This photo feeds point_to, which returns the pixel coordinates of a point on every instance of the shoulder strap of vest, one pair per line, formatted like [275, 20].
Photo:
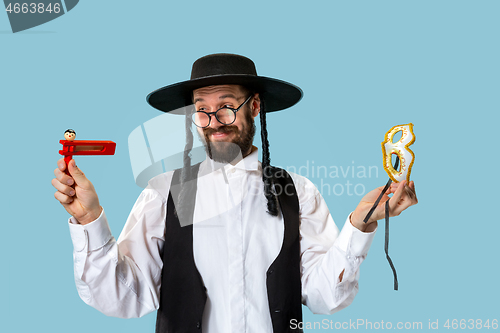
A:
[184, 195]
[283, 276]
[286, 192]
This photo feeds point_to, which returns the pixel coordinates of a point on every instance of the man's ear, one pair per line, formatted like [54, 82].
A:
[255, 107]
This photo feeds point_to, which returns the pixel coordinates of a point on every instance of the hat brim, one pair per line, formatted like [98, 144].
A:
[277, 94]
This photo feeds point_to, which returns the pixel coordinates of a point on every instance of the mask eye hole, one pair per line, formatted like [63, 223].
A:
[397, 136]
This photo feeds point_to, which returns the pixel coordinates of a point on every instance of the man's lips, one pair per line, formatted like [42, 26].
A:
[219, 135]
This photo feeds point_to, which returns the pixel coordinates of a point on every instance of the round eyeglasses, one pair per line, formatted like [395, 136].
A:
[225, 115]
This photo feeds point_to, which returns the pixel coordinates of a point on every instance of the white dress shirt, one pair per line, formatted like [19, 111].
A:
[234, 242]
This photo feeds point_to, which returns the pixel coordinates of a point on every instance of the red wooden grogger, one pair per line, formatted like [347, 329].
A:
[85, 147]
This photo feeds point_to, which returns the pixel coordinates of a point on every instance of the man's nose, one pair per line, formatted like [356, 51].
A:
[214, 122]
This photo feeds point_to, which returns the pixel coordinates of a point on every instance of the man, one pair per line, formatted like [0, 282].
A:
[228, 245]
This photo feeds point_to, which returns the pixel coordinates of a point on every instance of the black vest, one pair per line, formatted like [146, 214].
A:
[183, 295]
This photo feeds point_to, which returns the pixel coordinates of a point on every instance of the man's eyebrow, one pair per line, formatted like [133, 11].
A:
[199, 99]
[227, 96]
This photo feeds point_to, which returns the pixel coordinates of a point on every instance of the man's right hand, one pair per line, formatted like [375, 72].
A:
[76, 193]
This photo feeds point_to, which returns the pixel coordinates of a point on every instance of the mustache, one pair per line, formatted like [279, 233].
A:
[223, 129]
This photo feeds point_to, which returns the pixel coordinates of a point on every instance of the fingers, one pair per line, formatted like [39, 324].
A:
[403, 197]
[394, 200]
[63, 184]
[410, 193]
[373, 195]
[78, 175]
[64, 189]
[413, 192]
[61, 164]
[61, 176]
[394, 186]
[63, 198]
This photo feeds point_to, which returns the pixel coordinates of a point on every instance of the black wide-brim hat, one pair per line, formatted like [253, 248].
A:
[223, 68]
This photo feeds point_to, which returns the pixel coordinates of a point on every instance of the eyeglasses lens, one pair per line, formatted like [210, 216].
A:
[225, 116]
[201, 119]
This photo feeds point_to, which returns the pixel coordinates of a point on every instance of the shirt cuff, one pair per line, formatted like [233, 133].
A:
[353, 241]
[91, 236]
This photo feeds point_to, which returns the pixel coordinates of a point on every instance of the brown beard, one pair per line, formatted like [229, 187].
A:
[226, 152]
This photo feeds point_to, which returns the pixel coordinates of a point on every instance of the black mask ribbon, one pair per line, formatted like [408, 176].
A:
[386, 246]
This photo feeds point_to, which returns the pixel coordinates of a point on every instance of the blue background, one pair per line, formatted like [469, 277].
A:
[364, 66]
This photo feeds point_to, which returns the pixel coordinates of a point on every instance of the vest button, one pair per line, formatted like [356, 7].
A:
[270, 271]
[198, 325]
[277, 311]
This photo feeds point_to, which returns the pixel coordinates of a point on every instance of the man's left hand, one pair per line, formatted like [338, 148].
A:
[403, 197]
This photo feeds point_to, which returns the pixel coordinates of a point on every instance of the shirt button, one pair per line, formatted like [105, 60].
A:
[231, 171]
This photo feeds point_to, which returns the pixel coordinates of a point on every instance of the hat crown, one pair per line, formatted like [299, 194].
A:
[222, 64]
[223, 69]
